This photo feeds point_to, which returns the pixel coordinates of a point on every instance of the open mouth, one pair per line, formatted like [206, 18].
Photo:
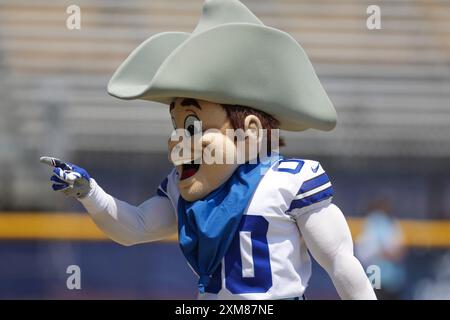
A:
[188, 170]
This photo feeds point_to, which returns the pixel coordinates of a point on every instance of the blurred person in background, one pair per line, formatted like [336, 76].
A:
[381, 243]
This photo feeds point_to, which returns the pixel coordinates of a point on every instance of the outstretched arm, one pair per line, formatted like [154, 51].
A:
[328, 238]
[126, 224]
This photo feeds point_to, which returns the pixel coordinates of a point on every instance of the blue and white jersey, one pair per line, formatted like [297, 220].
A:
[268, 258]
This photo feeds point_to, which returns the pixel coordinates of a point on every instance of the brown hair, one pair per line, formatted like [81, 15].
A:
[237, 114]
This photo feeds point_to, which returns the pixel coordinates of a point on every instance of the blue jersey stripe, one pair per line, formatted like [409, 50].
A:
[160, 193]
[163, 185]
[314, 198]
[314, 183]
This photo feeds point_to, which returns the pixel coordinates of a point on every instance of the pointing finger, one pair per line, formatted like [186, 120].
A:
[54, 162]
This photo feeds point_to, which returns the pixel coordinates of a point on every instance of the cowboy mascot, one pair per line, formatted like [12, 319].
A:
[245, 227]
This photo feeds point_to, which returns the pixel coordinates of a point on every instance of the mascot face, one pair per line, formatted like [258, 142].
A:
[205, 125]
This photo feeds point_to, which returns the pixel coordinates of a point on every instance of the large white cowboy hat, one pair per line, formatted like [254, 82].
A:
[231, 58]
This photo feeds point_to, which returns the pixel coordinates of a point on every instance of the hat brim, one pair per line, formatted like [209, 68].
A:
[131, 80]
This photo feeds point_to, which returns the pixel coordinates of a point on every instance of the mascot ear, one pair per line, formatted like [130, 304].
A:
[252, 126]
[254, 136]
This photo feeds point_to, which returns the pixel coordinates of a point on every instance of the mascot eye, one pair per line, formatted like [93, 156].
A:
[192, 125]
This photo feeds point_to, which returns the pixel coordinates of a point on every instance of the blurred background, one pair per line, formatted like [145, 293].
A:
[389, 157]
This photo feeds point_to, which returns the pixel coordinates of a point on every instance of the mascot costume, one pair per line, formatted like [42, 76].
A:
[246, 229]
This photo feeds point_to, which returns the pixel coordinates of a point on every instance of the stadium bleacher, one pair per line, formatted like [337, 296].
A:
[390, 86]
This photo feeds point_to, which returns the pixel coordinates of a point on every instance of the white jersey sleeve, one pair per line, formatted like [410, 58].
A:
[314, 189]
[126, 224]
[168, 189]
[323, 228]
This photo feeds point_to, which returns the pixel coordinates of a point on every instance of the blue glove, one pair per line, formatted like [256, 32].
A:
[67, 178]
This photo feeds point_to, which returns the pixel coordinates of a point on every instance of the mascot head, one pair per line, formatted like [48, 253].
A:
[232, 72]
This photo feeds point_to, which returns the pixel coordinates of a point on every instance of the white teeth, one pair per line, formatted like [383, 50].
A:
[180, 162]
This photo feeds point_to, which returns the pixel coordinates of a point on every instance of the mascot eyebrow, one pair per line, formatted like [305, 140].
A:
[187, 102]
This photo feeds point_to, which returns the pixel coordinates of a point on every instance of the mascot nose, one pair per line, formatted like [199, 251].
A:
[185, 149]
